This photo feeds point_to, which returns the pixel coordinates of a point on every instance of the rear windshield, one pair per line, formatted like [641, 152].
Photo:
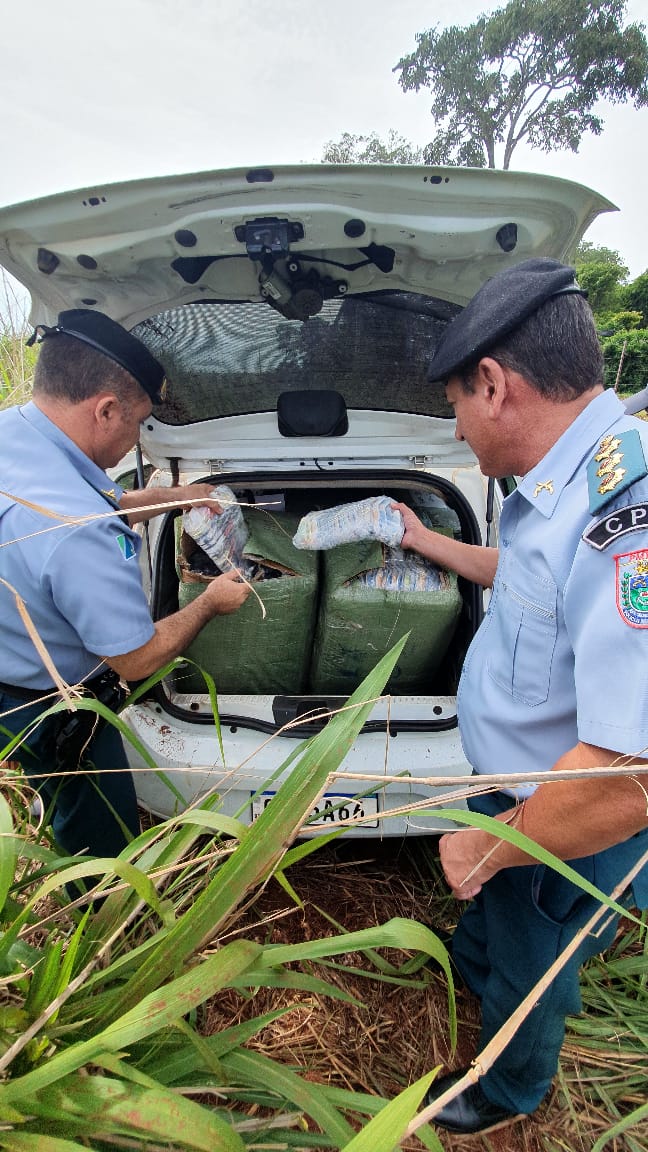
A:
[230, 359]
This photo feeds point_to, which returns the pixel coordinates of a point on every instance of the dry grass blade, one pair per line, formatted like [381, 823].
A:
[489, 782]
[61, 516]
[496, 1046]
[64, 520]
[36, 640]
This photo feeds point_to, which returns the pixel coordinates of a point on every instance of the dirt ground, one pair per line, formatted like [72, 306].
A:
[397, 1034]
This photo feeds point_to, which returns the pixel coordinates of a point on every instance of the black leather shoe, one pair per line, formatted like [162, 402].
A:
[469, 1112]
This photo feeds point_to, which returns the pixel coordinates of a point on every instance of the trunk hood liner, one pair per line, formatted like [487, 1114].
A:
[134, 249]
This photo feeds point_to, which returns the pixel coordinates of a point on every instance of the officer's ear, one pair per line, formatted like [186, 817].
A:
[491, 381]
[107, 414]
[107, 409]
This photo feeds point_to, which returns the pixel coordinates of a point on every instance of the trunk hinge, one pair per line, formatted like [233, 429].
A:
[216, 466]
[422, 462]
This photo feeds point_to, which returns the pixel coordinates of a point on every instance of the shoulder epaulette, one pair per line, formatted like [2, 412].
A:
[619, 461]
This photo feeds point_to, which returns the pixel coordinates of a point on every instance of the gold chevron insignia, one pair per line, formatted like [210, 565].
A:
[609, 464]
[608, 445]
[613, 478]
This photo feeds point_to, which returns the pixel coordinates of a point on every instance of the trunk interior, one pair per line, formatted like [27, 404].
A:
[322, 627]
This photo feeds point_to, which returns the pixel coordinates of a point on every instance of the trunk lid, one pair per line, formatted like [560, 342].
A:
[251, 283]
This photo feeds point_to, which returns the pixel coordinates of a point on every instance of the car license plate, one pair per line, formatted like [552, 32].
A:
[331, 809]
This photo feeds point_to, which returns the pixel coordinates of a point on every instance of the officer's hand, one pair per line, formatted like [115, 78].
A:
[461, 853]
[227, 593]
[413, 527]
[202, 494]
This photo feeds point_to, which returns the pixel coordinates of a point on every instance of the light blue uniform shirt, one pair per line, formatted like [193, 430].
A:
[80, 583]
[557, 658]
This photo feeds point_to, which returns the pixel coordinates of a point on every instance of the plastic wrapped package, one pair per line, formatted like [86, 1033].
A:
[359, 621]
[245, 652]
[403, 571]
[436, 514]
[221, 535]
[371, 519]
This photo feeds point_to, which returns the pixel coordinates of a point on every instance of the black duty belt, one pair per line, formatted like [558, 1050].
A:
[31, 694]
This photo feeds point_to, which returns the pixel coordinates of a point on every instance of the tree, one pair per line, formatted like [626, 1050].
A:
[588, 253]
[601, 282]
[371, 149]
[635, 296]
[532, 71]
[602, 273]
[627, 321]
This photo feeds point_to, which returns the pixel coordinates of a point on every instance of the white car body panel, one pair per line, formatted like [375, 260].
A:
[253, 759]
[375, 439]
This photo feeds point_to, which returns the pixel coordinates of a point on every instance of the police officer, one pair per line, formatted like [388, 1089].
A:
[71, 559]
[556, 675]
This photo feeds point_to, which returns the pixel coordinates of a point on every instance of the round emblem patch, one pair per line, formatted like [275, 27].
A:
[632, 587]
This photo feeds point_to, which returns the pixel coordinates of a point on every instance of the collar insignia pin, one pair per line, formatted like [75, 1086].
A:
[544, 486]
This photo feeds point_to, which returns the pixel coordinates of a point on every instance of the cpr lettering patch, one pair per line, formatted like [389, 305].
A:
[632, 587]
[126, 545]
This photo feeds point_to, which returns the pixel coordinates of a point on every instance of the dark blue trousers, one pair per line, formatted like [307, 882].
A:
[505, 941]
[94, 810]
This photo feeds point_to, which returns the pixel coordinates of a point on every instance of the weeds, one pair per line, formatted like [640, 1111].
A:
[99, 1014]
[17, 361]
[98, 1025]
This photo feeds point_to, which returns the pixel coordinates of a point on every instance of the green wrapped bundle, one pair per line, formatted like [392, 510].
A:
[358, 624]
[245, 652]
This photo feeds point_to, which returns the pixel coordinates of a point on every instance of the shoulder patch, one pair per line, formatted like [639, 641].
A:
[632, 588]
[126, 546]
[619, 461]
[615, 524]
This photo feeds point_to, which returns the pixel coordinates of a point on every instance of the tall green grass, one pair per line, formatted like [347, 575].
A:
[100, 1012]
[17, 361]
[98, 1026]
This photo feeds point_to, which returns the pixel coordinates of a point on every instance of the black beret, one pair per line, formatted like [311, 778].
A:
[498, 308]
[111, 338]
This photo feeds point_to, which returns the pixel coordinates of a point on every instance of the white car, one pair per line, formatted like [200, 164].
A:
[295, 311]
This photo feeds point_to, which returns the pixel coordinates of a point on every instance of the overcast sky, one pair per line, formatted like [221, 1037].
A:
[93, 93]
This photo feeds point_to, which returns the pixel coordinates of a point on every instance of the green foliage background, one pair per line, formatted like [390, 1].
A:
[621, 312]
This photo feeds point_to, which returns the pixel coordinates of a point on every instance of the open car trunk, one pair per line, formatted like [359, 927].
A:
[314, 626]
[280, 669]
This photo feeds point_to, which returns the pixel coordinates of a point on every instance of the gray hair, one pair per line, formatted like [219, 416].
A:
[68, 369]
[556, 350]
